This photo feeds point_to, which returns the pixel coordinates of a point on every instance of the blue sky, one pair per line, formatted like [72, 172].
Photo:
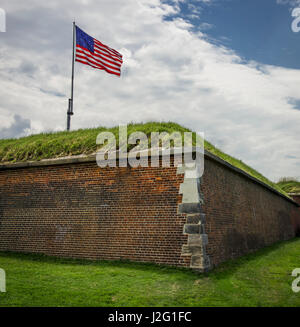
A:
[257, 30]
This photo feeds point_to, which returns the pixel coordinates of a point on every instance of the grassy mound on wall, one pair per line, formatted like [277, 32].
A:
[289, 185]
[83, 141]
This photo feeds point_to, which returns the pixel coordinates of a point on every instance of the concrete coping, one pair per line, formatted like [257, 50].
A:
[143, 154]
[157, 152]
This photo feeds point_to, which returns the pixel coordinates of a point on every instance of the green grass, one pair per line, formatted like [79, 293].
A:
[289, 185]
[83, 141]
[259, 279]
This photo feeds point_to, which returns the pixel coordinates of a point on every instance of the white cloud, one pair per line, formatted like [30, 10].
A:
[170, 73]
[18, 127]
[205, 26]
[292, 3]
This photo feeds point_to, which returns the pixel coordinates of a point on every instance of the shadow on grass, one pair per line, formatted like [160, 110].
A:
[127, 264]
[228, 268]
[224, 270]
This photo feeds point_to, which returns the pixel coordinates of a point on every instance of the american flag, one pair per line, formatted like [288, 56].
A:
[92, 52]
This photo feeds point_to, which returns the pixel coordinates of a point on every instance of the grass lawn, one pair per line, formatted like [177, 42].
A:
[259, 279]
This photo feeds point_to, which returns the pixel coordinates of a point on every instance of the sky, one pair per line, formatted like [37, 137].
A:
[228, 68]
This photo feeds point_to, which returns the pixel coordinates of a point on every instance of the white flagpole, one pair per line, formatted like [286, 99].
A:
[70, 108]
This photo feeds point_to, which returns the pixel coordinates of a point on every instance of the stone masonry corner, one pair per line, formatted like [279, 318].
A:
[192, 201]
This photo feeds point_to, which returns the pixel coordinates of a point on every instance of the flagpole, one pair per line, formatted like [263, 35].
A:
[70, 108]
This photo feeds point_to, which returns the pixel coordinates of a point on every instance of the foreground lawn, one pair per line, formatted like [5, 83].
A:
[260, 279]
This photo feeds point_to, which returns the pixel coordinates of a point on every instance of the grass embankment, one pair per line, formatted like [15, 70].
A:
[289, 185]
[260, 279]
[83, 141]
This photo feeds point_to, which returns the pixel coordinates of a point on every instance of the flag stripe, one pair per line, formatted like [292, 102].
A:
[104, 50]
[108, 48]
[107, 58]
[98, 67]
[94, 53]
[96, 61]
[106, 53]
[86, 62]
[91, 60]
[98, 57]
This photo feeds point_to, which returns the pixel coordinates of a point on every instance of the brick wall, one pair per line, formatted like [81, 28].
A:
[241, 215]
[296, 217]
[83, 211]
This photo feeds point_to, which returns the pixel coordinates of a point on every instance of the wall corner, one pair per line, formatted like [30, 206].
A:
[194, 228]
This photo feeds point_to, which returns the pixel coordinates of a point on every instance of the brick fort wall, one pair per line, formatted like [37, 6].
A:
[83, 211]
[79, 210]
[241, 215]
[296, 219]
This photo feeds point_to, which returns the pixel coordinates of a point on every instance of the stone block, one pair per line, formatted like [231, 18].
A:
[189, 208]
[196, 218]
[191, 229]
[197, 240]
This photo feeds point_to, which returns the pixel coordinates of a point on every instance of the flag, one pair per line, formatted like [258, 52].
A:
[92, 52]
